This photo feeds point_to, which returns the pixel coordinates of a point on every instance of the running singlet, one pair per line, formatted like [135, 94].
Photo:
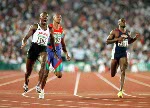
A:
[58, 35]
[120, 49]
[40, 36]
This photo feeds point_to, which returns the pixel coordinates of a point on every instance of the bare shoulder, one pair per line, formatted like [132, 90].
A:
[112, 32]
[116, 32]
[34, 26]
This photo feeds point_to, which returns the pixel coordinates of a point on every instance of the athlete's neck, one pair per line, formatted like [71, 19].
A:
[56, 25]
[43, 25]
[122, 29]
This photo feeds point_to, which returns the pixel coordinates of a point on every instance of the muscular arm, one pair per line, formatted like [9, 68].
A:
[63, 45]
[30, 33]
[111, 38]
[131, 40]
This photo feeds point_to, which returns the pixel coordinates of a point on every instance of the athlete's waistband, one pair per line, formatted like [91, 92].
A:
[51, 47]
[38, 44]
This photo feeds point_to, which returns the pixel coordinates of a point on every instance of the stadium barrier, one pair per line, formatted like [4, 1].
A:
[72, 66]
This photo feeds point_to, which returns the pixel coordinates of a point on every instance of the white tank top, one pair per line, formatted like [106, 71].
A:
[40, 36]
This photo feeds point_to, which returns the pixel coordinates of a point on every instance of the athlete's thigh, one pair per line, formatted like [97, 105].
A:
[123, 63]
[33, 52]
[42, 57]
[57, 62]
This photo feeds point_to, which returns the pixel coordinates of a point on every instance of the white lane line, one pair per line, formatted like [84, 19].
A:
[20, 79]
[108, 82]
[2, 106]
[77, 83]
[138, 82]
[142, 76]
[9, 76]
[50, 79]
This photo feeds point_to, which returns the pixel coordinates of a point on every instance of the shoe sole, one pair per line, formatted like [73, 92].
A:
[120, 96]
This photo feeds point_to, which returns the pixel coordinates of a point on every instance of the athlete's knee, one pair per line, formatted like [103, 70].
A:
[122, 70]
[113, 73]
[59, 75]
[27, 74]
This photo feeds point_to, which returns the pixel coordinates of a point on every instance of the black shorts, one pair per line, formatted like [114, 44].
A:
[118, 56]
[35, 50]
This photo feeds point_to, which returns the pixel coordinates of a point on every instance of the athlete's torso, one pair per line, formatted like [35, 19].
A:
[41, 36]
[121, 47]
[58, 35]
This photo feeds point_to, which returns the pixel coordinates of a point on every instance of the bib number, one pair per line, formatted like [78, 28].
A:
[124, 43]
[58, 40]
[41, 41]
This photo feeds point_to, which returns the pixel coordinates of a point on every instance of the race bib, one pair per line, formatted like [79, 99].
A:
[58, 40]
[124, 43]
[41, 40]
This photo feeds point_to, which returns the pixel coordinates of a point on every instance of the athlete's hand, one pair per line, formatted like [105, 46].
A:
[137, 35]
[120, 39]
[23, 44]
[68, 57]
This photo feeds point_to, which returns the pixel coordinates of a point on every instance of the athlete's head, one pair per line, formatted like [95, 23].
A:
[44, 17]
[57, 18]
[122, 22]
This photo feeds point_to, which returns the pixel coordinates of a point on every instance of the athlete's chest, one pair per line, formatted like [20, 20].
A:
[58, 35]
[124, 43]
[42, 33]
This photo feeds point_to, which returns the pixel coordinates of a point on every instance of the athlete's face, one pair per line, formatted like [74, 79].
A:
[122, 23]
[57, 18]
[44, 18]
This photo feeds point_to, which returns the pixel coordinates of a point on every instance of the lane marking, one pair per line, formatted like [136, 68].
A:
[77, 83]
[108, 82]
[4, 100]
[5, 106]
[138, 82]
[142, 76]
[20, 79]
[9, 76]
[50, 79]
[72, 106]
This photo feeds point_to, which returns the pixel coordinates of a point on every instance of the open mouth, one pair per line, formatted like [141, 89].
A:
[45, 20]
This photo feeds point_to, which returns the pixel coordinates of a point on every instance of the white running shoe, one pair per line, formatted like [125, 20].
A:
[25, 87]
[38, 89]
[120, 94]
[41, 95]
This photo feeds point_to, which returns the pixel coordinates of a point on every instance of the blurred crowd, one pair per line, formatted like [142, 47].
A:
[87, 22]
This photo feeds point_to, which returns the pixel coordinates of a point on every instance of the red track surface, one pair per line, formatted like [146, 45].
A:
[76, 90]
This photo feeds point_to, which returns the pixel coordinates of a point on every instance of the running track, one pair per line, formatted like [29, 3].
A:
[75, 90]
